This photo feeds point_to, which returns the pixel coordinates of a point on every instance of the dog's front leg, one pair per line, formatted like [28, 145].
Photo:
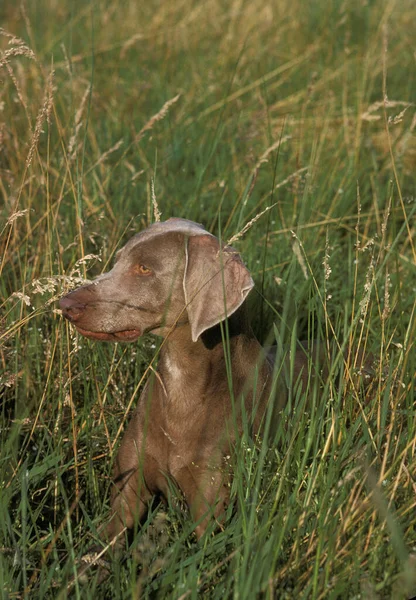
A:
[206, 492]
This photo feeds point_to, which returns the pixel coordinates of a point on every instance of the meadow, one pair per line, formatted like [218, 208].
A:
[296, 119]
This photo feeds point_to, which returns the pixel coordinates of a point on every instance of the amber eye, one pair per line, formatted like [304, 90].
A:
[141, 270]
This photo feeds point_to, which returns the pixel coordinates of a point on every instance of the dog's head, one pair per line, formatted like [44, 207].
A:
[173, 272]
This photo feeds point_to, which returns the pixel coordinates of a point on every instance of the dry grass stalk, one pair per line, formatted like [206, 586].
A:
[398, 118]
[290, 178]
[385, 220]
[26, 19]
[19, 92]
[247, 226]
[129, 43]
[369, 115]
[44, 114]
[24, 297]
[156, 212]
[264, 157]
[386, 308]
[16, 51]
[12, 38]
[16, 215]
[67, 61]
[157, 117]
[327, 266]
[368, 287]
[297, 251]
[78, 117]
[107, 153]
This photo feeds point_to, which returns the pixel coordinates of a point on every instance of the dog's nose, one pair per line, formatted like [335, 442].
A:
[71, 309]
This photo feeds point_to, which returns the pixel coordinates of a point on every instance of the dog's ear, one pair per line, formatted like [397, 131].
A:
[216, 282]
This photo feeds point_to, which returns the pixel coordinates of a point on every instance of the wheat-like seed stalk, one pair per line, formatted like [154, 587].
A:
[264, 157]
[156, 212]
[78, 123]
[327, 266]
[157, 117]
[386, 308]
[16, 215]
[19, 92]
[44, 114]
[16, 51]
[289, 178]
[368, 287]
[385, 220]
[107, 153]
[12, 38]
[297, 251]
[247, 226]
[369, 115]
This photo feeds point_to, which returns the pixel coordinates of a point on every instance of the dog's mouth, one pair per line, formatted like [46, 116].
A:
[127, 335]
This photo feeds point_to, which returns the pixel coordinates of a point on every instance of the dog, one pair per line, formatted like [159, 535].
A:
[176, 280]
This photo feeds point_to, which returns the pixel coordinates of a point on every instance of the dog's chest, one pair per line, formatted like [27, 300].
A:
[192, 413]
[172, 371]
[193, 434]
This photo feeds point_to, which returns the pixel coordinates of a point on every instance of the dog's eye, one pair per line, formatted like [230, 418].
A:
[142, 270]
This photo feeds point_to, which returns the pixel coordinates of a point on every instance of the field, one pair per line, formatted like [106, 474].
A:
[296, 118]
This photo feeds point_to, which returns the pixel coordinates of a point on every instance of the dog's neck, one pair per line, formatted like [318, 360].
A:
[187, 365]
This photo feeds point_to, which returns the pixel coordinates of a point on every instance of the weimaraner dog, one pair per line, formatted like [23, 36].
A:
[177, 281]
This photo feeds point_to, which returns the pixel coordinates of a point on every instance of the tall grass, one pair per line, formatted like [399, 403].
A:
[219, 110]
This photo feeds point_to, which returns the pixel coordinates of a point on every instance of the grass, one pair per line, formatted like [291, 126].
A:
[220, 110]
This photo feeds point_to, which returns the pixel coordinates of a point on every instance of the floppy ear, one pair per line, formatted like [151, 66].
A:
[216, 282]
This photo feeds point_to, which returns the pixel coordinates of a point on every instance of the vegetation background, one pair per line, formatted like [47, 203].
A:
[220, 110]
